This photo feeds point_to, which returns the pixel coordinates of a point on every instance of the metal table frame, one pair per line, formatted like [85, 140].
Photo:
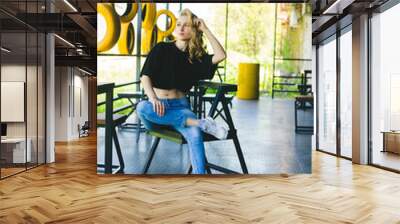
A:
[300, 103]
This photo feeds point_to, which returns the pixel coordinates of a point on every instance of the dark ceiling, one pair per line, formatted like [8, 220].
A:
[78, 27]
[332, 15]
[72, 20]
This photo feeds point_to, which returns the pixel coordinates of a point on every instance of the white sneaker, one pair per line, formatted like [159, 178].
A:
[211, 127]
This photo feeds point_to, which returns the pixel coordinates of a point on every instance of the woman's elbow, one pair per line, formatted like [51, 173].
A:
[224, 56]
[220, 57]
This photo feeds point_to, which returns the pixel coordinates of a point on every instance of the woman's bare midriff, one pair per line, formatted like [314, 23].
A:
[168, 93]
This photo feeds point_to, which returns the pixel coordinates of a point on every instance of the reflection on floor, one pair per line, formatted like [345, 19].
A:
[266, 134]
[386, 159]
[10, 171]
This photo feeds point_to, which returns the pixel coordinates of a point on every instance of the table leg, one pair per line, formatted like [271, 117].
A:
[235, 138]
[220, 97]
[215, 103]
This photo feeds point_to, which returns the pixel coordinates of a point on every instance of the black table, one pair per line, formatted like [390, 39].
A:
[300, 103]
[220, 98]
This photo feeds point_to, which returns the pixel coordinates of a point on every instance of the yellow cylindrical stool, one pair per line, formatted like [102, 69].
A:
[248, 81]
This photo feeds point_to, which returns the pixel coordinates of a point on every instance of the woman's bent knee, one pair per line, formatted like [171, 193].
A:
[184, 116]
[143, 107]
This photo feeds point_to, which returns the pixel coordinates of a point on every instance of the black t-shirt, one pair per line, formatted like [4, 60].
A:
[169, 68]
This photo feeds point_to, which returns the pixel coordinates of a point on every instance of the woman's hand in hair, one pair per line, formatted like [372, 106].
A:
[201, 25]
[158, 106]
[219, 52]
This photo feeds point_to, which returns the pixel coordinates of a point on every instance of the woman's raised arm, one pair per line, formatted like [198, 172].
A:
[219, 52]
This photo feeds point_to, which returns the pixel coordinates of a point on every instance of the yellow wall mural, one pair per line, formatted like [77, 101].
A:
[120, 30]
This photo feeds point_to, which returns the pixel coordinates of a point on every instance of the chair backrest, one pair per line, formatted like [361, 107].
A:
[219, 75]
[86, 125]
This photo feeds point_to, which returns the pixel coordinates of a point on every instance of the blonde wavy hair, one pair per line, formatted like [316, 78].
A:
[196, 46]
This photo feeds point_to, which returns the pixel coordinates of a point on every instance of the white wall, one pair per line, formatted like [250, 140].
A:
[71, 102]
[33, 126]
[16, 73]
[61, 103]
[79, 112]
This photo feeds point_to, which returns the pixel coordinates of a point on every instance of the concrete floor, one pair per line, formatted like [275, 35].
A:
[266, 134]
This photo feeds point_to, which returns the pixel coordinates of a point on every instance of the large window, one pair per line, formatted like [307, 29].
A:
[385, 89]
[327, 96]
[242, 42]
[346, 93]
[331, 136]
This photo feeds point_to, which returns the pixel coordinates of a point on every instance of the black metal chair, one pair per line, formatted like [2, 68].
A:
[138, 96]
[117, 120]
[168, 133]
[83, 130]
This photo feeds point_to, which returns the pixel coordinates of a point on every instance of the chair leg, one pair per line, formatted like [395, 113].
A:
[152, 152]
[118, 149]
[138, 127]
[207, 167]
[204, 109]
[190, 170]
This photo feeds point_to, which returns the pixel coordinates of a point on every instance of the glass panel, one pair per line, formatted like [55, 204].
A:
[327, 96]
[243, 47]
[13, 86]
[346, 94]
[41, 98]
[386, 89]
[23, 89]
[31, 98]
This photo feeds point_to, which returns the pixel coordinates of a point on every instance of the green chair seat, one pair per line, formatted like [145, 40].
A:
[168, 133]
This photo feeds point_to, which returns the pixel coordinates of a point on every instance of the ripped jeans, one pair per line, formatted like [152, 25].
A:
[175, 114]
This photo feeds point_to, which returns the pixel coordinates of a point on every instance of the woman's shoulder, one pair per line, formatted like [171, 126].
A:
[164, 44]
[163, 47]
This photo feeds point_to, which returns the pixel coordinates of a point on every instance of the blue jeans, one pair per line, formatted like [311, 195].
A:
[175, 114]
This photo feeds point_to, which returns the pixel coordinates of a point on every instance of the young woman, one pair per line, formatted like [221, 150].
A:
[170, 70]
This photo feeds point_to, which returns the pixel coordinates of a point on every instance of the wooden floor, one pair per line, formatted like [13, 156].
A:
[70, 191]
[10, 171]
